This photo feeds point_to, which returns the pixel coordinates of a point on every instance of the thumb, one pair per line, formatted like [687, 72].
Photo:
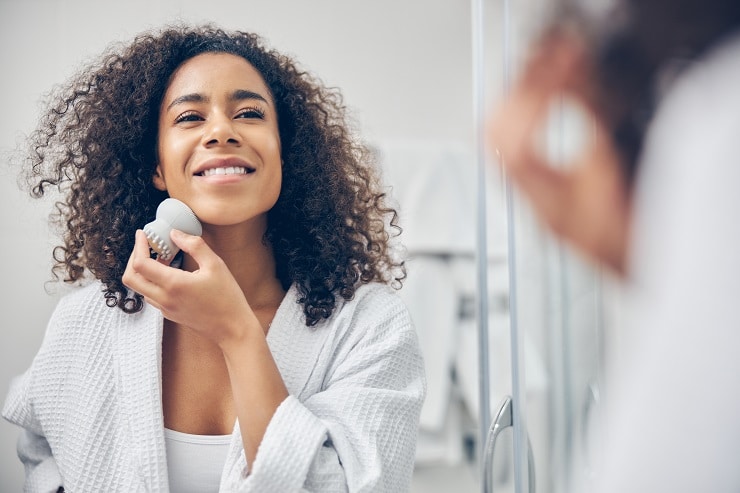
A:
[193, 245]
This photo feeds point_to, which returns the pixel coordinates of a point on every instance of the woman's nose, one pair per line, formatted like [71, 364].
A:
[220, 131]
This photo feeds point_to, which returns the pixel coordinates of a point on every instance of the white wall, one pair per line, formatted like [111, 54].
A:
[403, 65]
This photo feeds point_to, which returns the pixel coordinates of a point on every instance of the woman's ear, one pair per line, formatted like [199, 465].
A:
[158, 179]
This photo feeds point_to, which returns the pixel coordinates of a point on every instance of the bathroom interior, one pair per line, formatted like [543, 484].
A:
[515, 330]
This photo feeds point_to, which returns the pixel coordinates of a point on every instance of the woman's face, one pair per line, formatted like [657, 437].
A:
[218, 141]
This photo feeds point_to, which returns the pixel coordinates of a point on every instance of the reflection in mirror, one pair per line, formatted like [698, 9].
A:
[416, 115]
[405, 69]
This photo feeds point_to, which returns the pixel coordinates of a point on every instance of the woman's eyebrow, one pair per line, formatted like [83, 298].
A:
[238, 95]
[241, 94]
[188, 98]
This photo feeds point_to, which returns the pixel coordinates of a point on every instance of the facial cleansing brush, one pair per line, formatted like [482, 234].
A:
[171, 214]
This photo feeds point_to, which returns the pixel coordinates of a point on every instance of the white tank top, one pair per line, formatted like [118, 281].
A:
[195, 462]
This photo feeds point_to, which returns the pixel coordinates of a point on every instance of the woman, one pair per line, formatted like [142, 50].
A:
[653, 197]
[272, 357]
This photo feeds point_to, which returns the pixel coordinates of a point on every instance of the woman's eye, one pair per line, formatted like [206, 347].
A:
[188, 117]
[251, 113]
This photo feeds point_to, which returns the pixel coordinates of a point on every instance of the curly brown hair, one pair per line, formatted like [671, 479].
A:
[96, 143]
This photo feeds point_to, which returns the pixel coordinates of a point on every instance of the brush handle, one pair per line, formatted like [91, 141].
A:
[171, 214]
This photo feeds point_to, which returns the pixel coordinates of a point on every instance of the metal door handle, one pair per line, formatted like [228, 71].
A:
[590, 402]
[503, 420]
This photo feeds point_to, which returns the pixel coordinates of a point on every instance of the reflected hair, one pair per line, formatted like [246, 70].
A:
[330, 229]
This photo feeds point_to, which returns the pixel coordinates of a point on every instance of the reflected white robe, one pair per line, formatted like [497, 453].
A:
[91, 409]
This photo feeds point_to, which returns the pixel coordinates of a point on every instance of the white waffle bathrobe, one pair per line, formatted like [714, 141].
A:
[91, 412]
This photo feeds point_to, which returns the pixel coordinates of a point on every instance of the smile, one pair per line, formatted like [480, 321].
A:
[229, 170]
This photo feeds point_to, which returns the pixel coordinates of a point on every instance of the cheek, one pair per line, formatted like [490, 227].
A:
[166, 146]
[272, 147]
[277, 184]
[274, 187]
[162, 138]
[173, 150]
[273, 150]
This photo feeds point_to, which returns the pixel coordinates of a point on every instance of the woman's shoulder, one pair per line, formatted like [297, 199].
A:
[376, 300]
[85, 293]
[80, 302]
[375, 313]
[82, 313]
[375, 330]
[372, 300]
[702, 90]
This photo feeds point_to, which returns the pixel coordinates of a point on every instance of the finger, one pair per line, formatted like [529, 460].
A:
[568, 66]
[143, 249]
[194, 246]
[513, 128]
[514, 123]
[555, 68]
[162, 261]
[141, 245]
[144, 274]
[139, 252]
[153, 302]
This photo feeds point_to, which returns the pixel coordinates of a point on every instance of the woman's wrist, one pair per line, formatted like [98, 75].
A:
[242, 335]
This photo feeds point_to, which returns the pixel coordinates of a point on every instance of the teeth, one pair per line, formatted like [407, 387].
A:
[231, 170]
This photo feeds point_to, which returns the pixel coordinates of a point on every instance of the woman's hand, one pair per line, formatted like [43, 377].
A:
[584, 202]
[210, 301]
[207, 300]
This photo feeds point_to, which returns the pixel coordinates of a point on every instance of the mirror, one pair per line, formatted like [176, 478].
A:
[407, 75]
[404, 69]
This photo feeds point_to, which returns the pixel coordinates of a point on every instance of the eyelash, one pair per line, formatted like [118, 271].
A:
[251, 112]
[186, 117]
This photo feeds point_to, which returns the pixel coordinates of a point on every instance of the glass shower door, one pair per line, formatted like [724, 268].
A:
[550, 324]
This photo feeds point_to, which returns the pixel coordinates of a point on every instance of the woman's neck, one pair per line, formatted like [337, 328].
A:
[250, 260]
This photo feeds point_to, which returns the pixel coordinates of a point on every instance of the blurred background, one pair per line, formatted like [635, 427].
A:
[416, 76]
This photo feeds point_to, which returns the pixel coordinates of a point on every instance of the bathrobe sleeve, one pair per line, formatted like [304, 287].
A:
[64, 403]
[358, 432]
[42, 474]
[41, 470]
